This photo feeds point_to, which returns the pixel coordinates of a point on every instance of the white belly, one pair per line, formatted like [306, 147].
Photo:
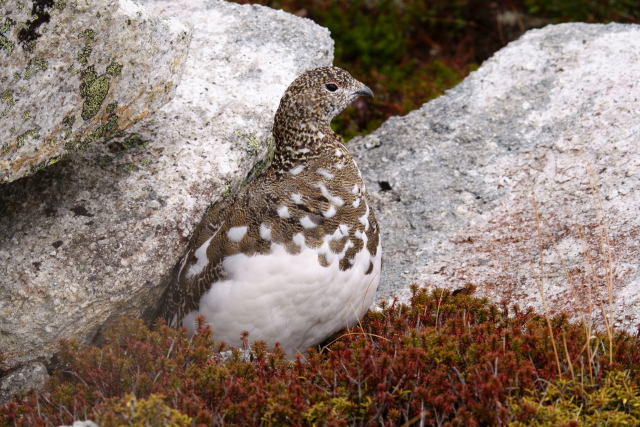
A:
[285, 298]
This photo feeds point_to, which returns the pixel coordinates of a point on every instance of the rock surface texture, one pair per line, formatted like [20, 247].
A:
[31, 375]
[73, 73]
[524, 180]
[96, 235]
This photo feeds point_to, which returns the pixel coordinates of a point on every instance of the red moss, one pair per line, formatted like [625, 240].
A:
[443, 358]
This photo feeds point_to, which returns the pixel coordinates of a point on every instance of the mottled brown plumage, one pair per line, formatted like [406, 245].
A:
[312, 190]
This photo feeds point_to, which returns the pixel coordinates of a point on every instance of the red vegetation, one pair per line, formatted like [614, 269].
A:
[444, 360]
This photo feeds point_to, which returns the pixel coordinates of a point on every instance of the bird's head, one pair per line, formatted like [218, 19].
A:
[318, 95]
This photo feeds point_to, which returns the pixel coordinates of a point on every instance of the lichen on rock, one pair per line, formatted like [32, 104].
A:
[50, 71]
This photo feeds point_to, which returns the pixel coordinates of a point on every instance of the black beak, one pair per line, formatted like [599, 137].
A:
[365, 91]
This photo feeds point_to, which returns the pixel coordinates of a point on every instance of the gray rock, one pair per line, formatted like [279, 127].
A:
[30, 376]
[75, 72]
[524, 180]
[96, 235]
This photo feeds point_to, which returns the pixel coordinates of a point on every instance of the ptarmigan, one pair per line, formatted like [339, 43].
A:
[295, 256]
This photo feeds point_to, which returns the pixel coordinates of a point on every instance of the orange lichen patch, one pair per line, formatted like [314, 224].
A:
[125, 113]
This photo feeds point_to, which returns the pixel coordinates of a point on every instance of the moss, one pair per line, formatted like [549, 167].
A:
[253, 144]
[71, 69]
[68, 121]
[107, 130]
[94, 90]
[35, 65]
[88, 34]
[60, 4]
[6, 24]
[254, 147]
[30, 45]
[261, 165]
[226, 190]
[6, 44]
[83, 56]
[616, 402]
[26, 115]
[30, 134]
[134, 141]
[114, 69]
[6, 97]
[44, 164]
[134, 412]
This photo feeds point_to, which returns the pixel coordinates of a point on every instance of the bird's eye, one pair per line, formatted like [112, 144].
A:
[331, 87]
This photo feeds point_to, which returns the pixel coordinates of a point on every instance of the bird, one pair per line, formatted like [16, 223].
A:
[295, 256]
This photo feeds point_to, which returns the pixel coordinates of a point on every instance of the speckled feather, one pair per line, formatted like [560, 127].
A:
[312, 189]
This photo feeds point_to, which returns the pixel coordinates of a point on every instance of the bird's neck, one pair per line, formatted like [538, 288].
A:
[297, 142]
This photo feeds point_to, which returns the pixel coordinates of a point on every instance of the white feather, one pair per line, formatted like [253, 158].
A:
[235, 234]
[283, 212]
[201, 259]
[296, 170]
[306, 222]
[289, 298]
[265, 232]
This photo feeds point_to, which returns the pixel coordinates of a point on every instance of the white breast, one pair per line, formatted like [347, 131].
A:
[288, 298]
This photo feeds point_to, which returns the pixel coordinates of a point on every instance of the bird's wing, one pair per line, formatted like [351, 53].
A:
[199, 267]
[202, 265]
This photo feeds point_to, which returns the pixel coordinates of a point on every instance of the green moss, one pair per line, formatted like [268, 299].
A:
[6, 44]
[6, 97]
[107, 130]
[134, 141]
[226, 190]
[88, 34]
[337, 407]
[253, 144]
[60, 4]
[30, 46]
[26, 115]
[35, 65]
[21, 139]
[114, 69]
[94, 90]
[68, 121]
[83, 57]
[616, 402]
[44, 164]
[152, 411]
[261, 165]
[6, 24]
